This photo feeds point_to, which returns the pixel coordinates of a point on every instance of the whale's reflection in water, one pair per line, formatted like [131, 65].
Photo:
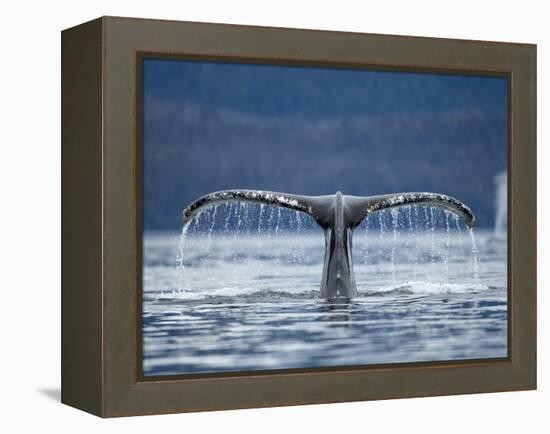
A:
[224, 336]
[338, 312]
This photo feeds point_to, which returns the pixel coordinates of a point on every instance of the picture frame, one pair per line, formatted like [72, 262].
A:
[102, 221]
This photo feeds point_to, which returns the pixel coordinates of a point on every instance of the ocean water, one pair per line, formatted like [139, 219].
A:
[239, 292]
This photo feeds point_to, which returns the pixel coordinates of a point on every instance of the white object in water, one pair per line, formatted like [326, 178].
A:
[501, 202]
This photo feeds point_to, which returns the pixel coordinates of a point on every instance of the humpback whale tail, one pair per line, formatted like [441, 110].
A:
[338, 215]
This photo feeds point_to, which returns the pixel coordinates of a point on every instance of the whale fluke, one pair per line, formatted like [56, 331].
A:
[291, 201]
[361, 207]
[338, 215]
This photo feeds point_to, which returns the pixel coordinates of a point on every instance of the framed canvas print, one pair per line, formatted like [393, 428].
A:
[261, 216]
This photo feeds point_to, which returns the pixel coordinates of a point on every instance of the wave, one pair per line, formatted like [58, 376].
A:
[241, 293]
[428, 288]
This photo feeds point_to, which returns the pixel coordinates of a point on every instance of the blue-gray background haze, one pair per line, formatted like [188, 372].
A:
[212, 126]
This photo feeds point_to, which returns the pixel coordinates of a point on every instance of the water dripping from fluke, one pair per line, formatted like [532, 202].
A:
[394, 218]
[338, 215]
[447, 245]
[212, 216]
[412, 233]
[365, 246]
[475, 255]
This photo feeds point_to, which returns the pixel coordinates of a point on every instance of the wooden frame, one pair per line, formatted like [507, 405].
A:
[101, 228]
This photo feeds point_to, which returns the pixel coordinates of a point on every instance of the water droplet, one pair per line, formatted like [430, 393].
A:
[475, 255]
[447, 245]
[394, 219]
[211, 228]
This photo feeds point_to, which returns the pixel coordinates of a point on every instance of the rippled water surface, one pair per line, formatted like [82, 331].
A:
[240, 297]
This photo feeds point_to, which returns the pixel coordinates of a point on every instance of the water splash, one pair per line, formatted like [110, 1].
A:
[475, 254]
[181, 246]
[414, 231]
[270, 221]
[239, 218]
[447, 245]
[277, 239]
[381, 222]
[457, 224]
[394, 219]
[298, 217]
[459, 233]
[229, 211]
[212, 216]
[180, 258]
[293, 226]
[431, 225]
[412, 234]
[246, 218]
[501, 204]
[366, 241]
[262, 206]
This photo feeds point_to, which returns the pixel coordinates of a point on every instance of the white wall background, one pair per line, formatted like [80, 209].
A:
[30, 215]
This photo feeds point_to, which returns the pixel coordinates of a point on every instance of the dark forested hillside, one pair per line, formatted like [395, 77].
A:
[210, 127]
